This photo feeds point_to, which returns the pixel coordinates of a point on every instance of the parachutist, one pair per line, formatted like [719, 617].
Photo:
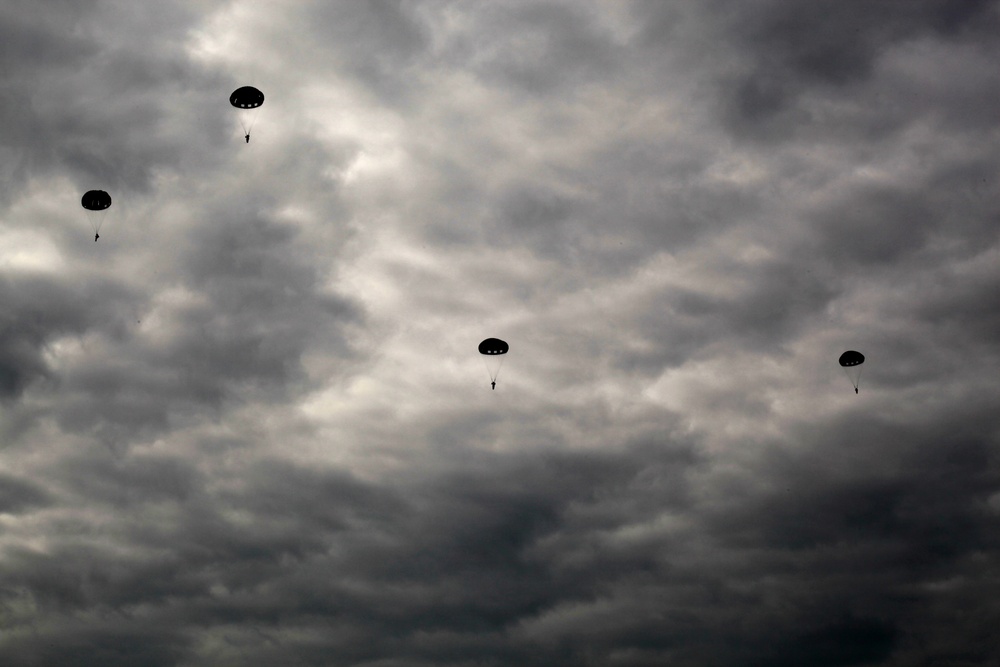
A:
[96, 201]
[247, 100]
[852, 362]
[493, 351]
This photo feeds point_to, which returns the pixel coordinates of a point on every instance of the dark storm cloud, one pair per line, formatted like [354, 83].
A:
[916, 494]
[792, 49]
[767, 306]
[541, 559]
[72, 86]
[965, 299]
[90, 645]
[265, 301]
[537, 49]
[870, 224]
[252, 311]
[639, 193]
[19, 495]
[821, 42]
[876, 225]
[235, 540]
[37, 35]
[459, 554]
[38, 310]
[393, 25]
[866, 516]
[26, 43]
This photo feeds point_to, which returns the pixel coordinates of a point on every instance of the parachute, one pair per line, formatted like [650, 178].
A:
[97, 203]
[851, 362]
[247, 101]
[493, 351]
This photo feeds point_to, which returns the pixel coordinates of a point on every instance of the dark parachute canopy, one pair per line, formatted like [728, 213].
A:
[247, 101]
[493, 351]
[851, 358]
[246, 97]
[493, 346]
[851, 361]
[96, 200]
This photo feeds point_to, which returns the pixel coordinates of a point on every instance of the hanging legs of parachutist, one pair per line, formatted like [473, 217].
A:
[855, 390]
[248, 138]
[494, 385]
[96, 236]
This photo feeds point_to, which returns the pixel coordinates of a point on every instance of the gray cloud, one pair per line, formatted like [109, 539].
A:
[19, 495]
[249, 425]
[792, 51]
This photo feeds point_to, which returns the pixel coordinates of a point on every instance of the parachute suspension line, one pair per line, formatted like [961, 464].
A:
[97, 220]
[489, 371]
[854, 375]
[247, 119]
[499, 364]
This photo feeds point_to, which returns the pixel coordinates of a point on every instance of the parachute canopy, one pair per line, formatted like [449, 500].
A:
[851, 362]
[851, 358]
[493, 346]
[246, 97]
[96, 200]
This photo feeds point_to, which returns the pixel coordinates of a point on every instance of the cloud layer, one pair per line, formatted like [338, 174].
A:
[249, 425]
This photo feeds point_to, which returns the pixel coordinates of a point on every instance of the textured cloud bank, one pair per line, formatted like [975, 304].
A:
[249, 426]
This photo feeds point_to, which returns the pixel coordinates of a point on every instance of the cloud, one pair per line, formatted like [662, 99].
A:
[249, 425]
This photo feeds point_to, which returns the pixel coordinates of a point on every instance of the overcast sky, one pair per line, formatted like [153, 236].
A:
[250, 425]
